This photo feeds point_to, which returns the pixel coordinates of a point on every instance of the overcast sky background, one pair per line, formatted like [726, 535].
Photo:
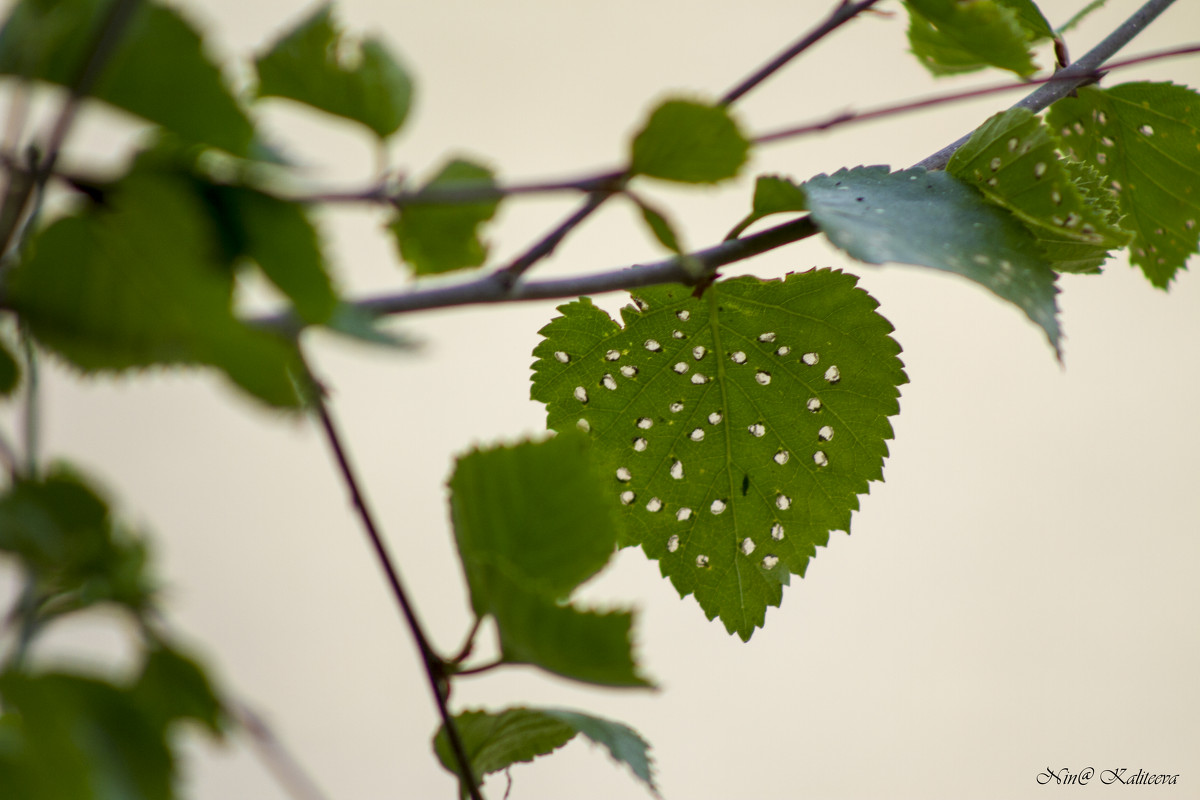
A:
[1020, 593]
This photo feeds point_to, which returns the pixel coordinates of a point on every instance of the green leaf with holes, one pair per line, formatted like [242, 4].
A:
[1013, 160]
[315, 65]
[532, 523]
[157, 63]
[948, 36]
[689, 142]
[441, 236]
[932, 219]
[494, 741]
[143, 280]
[735, 431]
[1143, 138]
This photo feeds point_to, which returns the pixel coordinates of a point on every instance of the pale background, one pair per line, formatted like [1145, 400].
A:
[1020, 594]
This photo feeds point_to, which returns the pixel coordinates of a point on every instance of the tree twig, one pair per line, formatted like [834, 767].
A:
[278, 761]
[435, 668]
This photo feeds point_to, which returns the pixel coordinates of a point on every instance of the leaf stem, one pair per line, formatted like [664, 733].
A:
[32, 415]
[435, 668]
[278, 761]
[482, 668]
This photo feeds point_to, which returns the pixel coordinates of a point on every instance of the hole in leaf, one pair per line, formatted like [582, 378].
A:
[681, 367]
[810, 359]
[777, 532]
[769, 562]
[645, 423]
[583, 425]
[612, 355]
[783, 502]
[639, 444]
[813, 405]
[678, 335]
[676, 407]
[783, 350]
[629, 370]
[717, 506]
[781, 457]
[608, 383]
[737, 357]
[696, 435]
[757, 429]
[1039, 169]
[698, 352]
[833, 374]
[654, 505]
[683, 514]
[627, 497]
[699, 379]
[826, 433]
[652, 345]
[1146, 130]
[820, 459]
[762, 377]
[769, 336]
[640, 303]
[562, 357]
[702, 561]
[624, 475]
[996, 164]
[673, 543]
[715, 418]
[747, 545]
[1012, 144]
[581, 394]
[677, 470]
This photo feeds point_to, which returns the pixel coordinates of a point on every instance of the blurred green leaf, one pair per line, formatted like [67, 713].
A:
[173, 687]
[772, 195]
[1142, 137]
[689, 142]
[357, 323]
[932, 219]
[442, 236]
[658, 225]
[948, 36]
[63, 533]
[281, 239]
[496, 741]
[143, 280]
[316, 64]
[81, 738]
[158, 71]
[532, 523]
[1013, 160]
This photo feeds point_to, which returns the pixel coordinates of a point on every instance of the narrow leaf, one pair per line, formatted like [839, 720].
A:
[173, 686]
[1012, 158]
[948, 36]
[316, 65]
[734, 431]
[357, 323]
[658, 225]
[496, 741]
[932, 219]
[689, 142]
[443, 236]
[159, 61]
[142, 280]
[1143, 138]
[532, 523]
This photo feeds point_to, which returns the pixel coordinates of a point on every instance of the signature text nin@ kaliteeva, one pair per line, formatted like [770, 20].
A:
[1119, 775]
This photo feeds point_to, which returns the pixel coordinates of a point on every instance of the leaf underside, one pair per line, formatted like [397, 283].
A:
[735, 431]
[1142, 137]
[934, 220]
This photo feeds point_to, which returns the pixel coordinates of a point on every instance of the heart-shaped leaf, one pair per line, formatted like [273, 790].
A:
[735, 430]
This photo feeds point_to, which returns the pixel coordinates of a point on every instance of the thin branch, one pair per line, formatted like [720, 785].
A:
[1075, 80]
[108, 35]
[469, 645]
[435, 669]
[32, 410]
[843, 13]
[278, 761]
[481, 669]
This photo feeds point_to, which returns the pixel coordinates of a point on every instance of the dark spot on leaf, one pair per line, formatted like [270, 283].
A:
[745, 484]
